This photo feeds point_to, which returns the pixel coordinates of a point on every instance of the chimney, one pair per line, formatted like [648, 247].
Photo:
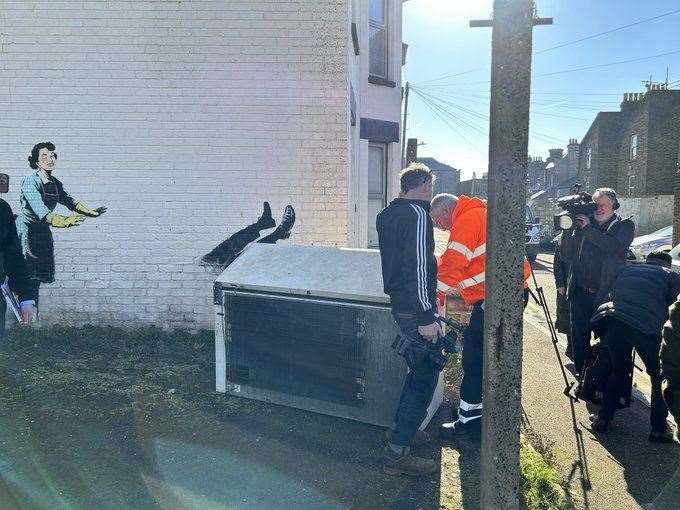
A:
[555, 154]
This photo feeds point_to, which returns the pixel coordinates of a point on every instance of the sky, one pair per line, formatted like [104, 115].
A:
[441, 44]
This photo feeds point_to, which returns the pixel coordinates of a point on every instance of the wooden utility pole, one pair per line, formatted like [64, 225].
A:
[512, 23]
[403, 125]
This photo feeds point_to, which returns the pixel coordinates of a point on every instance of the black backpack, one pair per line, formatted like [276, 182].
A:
[597, 367]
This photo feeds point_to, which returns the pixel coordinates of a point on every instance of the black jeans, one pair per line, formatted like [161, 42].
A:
[227, 251]
[417, 391]
[620, 339]
[581, 309]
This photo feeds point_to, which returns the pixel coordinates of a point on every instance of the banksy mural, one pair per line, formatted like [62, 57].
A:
[41, 192]
[227, 251]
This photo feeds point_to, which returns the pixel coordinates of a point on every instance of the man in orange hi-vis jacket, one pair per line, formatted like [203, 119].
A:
[461, 271]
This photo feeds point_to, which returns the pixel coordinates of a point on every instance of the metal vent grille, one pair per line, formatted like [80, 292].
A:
[297, 346]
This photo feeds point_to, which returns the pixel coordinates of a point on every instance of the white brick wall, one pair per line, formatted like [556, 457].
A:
[181, 117]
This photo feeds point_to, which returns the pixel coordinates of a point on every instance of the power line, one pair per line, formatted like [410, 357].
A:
[447, 112]
[552, 93]
[544, 137]
[581, 103]
[609, 64]
[585, 68]
[486, 117]
[568, 43]
[452, 127]
[607, 32]
[451, 75]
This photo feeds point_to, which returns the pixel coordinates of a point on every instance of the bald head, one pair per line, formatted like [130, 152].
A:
[441, 209]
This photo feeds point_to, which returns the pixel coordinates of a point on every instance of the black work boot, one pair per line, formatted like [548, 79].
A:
[661, 436]
[266, 220]
[457, 430]
[284, 228]
[403, 463]
[421, 438]
[599, 423]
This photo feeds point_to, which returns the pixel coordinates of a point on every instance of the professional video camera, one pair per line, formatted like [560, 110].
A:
[410, 346]
[572, 205]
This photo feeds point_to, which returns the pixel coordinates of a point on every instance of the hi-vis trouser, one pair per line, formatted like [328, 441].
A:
[470, 407]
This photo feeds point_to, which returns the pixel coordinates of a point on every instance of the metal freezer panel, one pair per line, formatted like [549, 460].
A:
[380, 370]
[338, 273]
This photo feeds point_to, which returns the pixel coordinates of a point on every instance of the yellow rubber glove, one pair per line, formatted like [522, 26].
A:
[83, 209]
[60, 221]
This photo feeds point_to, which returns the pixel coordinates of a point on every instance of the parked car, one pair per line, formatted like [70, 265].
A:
[532, 234]
[661, 240]
[675, 256]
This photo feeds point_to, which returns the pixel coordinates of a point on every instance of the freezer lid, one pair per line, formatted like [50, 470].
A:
[320, 271]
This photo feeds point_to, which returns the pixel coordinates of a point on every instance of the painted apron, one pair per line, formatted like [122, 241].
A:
[39, 197]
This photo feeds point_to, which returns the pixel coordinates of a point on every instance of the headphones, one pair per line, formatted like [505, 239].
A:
[616, 204]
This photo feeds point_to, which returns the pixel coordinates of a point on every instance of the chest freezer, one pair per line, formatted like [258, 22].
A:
[309, 327]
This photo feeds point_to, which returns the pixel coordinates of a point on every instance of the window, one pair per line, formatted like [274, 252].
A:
[377, 187]
[589, 157]
[377, 38]
[633, 151]
[632, 181]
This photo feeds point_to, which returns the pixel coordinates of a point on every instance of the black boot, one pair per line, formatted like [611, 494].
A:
[266, 220]
[457, 430]
[284, 228]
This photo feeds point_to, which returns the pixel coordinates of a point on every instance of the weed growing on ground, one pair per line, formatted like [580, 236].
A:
[540, 482]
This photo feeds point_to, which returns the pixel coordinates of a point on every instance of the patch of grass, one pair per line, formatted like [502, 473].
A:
[540, 482]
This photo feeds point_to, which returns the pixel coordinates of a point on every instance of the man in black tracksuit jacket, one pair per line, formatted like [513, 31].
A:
[409, 271]
[632, 316]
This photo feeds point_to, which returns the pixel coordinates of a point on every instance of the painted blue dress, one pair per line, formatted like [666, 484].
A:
[39, 197]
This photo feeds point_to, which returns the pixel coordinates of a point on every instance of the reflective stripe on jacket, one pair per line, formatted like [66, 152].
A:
[463, 262]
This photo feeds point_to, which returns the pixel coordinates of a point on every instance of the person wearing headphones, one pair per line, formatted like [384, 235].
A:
[595, 251]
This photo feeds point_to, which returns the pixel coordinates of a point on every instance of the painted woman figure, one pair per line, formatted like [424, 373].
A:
[40, 194]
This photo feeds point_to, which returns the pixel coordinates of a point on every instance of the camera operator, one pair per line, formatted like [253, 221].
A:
[409, 271]
[594, 250]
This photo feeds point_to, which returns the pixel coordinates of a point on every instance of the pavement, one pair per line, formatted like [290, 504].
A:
[620, 469]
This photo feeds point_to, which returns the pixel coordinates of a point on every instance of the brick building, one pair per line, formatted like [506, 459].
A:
[182, 118]
[474, 187]
[634, 150]
[561, 170]
[447, 176]
[535, 174]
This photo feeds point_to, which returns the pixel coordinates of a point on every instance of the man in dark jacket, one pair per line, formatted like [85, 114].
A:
[632, 316]
[595, 250]
[562, 320]
[409, 271]
[670, 363]
[13, 267]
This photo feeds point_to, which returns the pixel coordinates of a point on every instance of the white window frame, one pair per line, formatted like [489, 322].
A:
[633, 147]
[632, 184]
[589, 157]
[382, 26]
[382, 195]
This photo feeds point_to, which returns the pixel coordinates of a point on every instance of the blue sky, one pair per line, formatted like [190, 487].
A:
[563, 105]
